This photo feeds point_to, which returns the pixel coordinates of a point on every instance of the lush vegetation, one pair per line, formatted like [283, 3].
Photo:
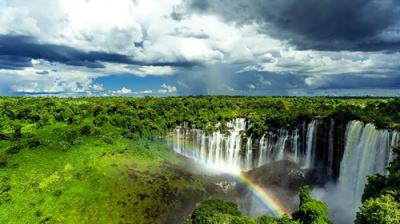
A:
[103, 160]
[310, 211]
[381, 198]
[64, 162]
[94, 179]
[381, 205]
[155, 116]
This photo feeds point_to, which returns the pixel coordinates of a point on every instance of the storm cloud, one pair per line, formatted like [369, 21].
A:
[359, 25]
[200, 47]
[16, 52]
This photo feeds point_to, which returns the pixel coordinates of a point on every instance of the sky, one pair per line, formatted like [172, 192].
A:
[199, 47]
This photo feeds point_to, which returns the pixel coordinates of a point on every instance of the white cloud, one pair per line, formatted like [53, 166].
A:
[32, 81]
[251, 86]
[113, 68]
[144, 92]
[123, 91]
[115, 27]
[326, 63]
[167, 89]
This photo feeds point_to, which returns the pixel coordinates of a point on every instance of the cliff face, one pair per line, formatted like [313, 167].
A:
[326, 151]
[330, 142]
[327, 146]
[316, 145]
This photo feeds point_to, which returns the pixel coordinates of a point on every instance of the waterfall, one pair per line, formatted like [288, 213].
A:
[295, 146]
[248, 163]
[330, 148]
[283, 136]
[311, 131]
[367, 151]
[233, 151]
[224, 150]
[262, 150]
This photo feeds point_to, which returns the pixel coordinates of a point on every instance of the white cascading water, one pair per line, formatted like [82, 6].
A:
[218, 149]
[311, 130]
[330, 148]
[249, 154]
[265, 148]
[227, 150]
[295, 146]
[367, 151]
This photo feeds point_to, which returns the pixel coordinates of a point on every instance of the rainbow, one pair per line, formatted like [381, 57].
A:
[270, 202]
[262, 194]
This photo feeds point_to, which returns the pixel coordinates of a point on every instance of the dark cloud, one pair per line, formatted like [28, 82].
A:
[16, 52]
[354, 81]
[223, 79]
[14, 62]
[315, 24]
[42, 73]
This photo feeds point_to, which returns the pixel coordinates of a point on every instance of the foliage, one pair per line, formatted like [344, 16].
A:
[156, 116]
[310, 211]
[381, 198]
[66, 160]
[55, 175]
[379, 185]
[210, 211]
[3, 159]
[270, 220]
[382, 210]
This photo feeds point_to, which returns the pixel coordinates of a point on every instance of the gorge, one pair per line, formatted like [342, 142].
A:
[340, 155]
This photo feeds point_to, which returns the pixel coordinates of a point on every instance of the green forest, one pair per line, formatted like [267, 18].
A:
[106, 160]
[381, 204]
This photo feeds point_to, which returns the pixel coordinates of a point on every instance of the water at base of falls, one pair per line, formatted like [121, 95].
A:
[366, 151]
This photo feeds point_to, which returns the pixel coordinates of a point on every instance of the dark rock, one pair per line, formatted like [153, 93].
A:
[283, 179]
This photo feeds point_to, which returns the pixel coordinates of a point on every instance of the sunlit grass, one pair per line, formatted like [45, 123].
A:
[92, 181]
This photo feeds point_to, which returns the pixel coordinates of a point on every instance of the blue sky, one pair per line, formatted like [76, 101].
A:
[199, 47]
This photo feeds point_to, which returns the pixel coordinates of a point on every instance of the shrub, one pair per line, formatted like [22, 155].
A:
[85, 130]
[3, 159]
[2, 136]
[14, 149]
[310, 211]
[382, 210]
[211, 209]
